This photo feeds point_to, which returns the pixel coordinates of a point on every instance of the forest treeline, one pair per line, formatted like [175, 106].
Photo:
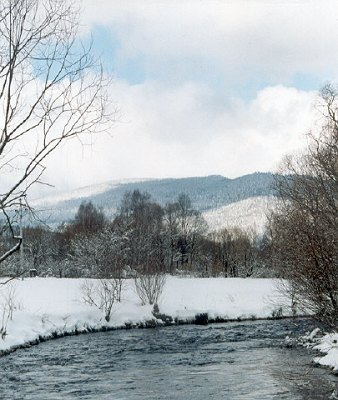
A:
[143, 237]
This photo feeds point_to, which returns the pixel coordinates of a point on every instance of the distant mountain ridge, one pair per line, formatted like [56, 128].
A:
[206, 193]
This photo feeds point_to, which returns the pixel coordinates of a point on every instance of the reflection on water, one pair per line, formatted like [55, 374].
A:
[223, 361]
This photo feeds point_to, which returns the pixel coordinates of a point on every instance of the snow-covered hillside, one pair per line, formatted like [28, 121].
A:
[246, 214]
[206, 193]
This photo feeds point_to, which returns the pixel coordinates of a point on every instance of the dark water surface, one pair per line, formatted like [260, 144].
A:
[223, 361]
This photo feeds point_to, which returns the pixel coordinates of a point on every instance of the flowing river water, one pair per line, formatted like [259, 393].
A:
[243, 360]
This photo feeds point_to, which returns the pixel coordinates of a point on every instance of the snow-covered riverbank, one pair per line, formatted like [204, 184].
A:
[44, 306]
[49, 307]
[328, 344]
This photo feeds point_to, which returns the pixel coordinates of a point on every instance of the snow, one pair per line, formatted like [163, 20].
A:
[328, 344]
[227, 298]
[249, 214]
[324, 343]
[313, 334]
[45, 306]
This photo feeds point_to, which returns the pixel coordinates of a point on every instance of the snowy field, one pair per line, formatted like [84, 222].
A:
[45, 307]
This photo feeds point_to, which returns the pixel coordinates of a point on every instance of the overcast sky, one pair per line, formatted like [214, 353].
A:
[203, 87]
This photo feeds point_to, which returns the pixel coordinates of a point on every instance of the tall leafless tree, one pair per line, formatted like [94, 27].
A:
[304, 228]
[51, 90]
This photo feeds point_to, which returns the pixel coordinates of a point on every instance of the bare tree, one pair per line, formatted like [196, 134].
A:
[304, 227]
[231, 253]
[8, 306]
[149, 286]
[88, 220]
[51, 90]
[185, 227]
[171, 234]
[101, 294]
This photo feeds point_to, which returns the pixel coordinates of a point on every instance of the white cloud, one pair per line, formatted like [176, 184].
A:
[179, 132]
[239, 39]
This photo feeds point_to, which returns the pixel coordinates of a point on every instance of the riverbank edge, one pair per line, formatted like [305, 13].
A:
[156, 322]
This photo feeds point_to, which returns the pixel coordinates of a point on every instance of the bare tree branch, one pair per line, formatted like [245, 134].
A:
[51, 90]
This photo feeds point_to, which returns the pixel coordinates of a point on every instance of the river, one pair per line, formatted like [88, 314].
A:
[243, 360]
